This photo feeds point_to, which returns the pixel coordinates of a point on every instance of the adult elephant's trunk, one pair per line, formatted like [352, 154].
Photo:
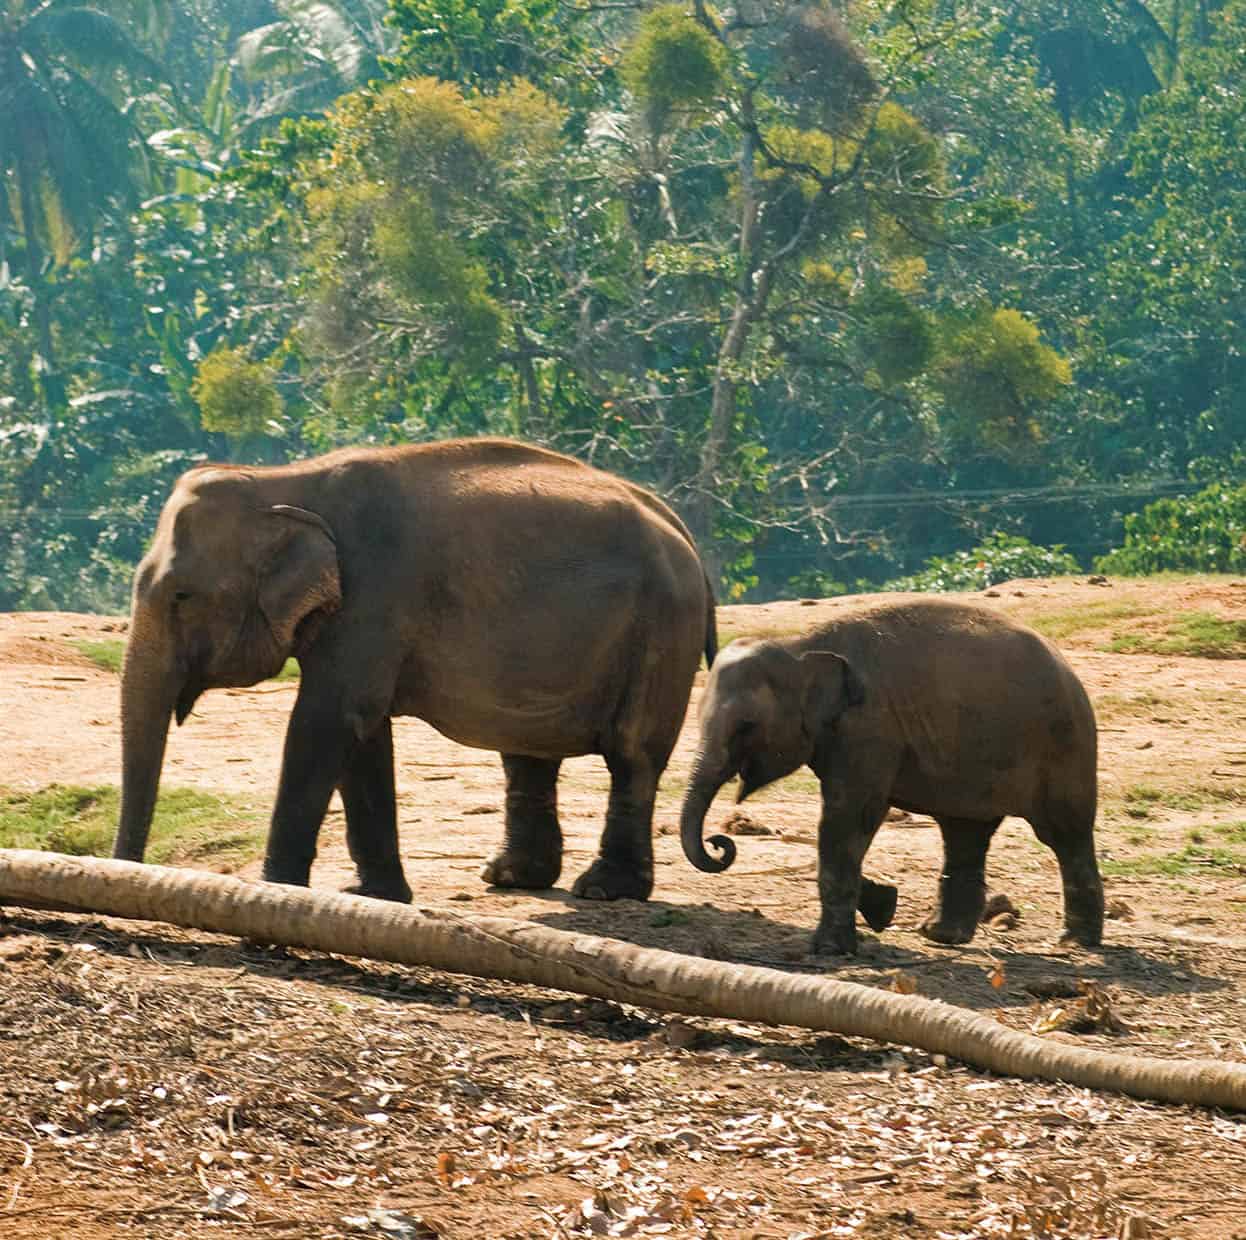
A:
[703, 786]
[150, 683]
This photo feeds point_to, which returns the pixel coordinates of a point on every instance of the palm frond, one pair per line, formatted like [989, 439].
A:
[324, 29]
[92, 38]
[270, 51]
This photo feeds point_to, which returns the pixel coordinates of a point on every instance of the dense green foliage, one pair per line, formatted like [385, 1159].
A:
[1001, 557]
[854, 286]
[1203, 533]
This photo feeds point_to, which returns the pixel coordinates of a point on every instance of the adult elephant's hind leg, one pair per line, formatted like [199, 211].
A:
[962, 885]
[367, 788]
[1070, 833]
[531, 853]
[623, 869]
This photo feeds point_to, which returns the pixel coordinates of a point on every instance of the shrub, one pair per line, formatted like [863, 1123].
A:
[673, 63]
[999, 557]
[1203, 533]
[236, 396]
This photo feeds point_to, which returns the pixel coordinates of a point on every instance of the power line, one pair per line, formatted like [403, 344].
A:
[1051, 494]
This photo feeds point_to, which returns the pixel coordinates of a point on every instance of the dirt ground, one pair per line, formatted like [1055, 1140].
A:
[161, 1083]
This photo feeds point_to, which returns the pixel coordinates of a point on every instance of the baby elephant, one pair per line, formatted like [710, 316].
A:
[927, 705]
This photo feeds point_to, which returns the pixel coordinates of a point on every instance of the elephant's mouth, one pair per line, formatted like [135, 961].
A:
[757, 775]
[751, 779]
[192, 689]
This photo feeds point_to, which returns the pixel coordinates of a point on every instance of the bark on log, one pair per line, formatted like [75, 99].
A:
[499, 947]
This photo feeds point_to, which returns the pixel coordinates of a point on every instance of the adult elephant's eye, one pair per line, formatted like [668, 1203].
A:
[180, 596]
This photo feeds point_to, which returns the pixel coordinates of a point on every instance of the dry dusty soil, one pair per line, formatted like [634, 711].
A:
[164, 1083]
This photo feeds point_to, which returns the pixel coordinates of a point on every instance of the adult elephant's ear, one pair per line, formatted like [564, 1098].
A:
[831, 687]
[299, 575]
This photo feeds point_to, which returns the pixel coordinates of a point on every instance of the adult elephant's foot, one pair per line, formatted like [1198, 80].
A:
[877, 903]
[507, 868]
[286, 875]
[949, 931]
[612, 880]
[834, 940]
[399, 893]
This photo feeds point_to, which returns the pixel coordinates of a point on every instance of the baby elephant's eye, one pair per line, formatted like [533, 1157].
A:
[180, 596]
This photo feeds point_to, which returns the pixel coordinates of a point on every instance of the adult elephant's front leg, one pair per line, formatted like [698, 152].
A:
[367, 789]
[319, 744]
[623, 869]
[531, 852]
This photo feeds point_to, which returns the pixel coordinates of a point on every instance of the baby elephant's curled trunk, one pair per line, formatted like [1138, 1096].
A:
[700, 796]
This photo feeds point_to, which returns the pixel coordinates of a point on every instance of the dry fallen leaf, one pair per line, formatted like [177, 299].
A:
[903, 983]
[445, 1168]
[1092, 1013]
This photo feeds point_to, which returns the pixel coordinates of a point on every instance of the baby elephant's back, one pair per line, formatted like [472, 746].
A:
[967, 687]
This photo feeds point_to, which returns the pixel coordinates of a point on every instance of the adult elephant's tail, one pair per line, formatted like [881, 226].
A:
[711, 623]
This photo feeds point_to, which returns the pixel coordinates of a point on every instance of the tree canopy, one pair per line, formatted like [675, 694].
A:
[852, 285]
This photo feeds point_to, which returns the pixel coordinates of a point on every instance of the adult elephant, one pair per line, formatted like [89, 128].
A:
[513, 598]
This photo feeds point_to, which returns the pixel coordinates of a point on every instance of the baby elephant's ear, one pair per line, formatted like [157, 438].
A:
[831, 686]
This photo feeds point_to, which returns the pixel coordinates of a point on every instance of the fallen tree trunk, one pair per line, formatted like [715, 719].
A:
[518, 951]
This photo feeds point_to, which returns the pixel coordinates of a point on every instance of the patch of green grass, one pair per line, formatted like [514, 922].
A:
[106, 653]
[1196, 856]
[189, 826]
[1202, 634]
[109, 653]
[1192, 859]
[1141, 799]
[1059, 625]
[668, 917]
[1132, 706]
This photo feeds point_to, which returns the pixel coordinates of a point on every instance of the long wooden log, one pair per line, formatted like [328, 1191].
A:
[518, 951]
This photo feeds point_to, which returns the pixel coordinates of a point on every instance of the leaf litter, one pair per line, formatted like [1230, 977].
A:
[197, 1085]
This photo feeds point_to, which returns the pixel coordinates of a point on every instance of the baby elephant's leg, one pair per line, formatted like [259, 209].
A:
[845, 833]
[877, 904]
[1070, 833]
[962, 885]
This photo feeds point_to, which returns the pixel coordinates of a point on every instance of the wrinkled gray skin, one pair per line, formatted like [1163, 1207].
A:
[515, 599]
[931, 706]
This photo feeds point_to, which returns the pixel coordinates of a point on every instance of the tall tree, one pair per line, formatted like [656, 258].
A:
[67, 147]
[721, 213]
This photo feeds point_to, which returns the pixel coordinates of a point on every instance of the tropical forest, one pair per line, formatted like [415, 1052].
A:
[882, 293]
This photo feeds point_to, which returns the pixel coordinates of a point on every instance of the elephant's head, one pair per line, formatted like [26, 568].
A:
[230, 588]
[761, 715]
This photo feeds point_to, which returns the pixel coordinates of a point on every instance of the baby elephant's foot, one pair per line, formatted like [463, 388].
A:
[1083, 919]
[513, 869]
[1083, 934]
[834, 940]
[398, 891]
[947, 931]
[612, 880]
[877, 903]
